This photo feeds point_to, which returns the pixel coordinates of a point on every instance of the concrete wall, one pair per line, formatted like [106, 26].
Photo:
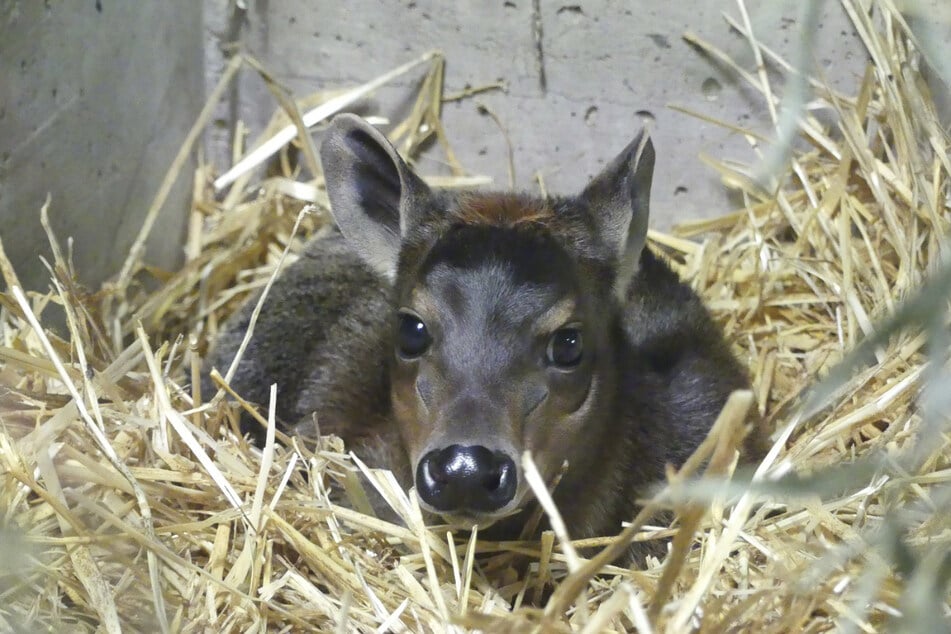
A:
[96, 97]
[95, 100]
[606, 64]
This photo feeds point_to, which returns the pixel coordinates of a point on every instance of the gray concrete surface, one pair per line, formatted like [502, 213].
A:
[607, 64]
[96, 97]
[95, 100]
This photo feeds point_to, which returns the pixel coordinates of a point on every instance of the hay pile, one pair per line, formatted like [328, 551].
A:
[128, 501]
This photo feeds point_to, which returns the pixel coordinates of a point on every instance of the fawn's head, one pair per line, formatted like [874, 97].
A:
[505, 314]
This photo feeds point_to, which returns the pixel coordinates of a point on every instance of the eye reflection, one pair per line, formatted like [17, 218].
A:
[565, 348]
[412, 337]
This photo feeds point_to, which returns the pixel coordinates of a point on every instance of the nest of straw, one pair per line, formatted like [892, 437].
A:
[129, 500]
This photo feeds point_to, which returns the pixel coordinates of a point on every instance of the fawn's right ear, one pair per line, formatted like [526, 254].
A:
[374, 196]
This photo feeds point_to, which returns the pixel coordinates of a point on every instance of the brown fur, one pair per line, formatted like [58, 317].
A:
[502, 210]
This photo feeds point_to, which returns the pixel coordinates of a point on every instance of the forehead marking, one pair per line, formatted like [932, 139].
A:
[556, 316]
[423, 301]
[503, 210]
[481, 293]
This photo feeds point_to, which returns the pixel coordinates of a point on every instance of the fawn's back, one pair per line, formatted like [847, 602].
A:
[443, 334]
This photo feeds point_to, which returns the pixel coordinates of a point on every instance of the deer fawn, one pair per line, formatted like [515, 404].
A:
[441, 334]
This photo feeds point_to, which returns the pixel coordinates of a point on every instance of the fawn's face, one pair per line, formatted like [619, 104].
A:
[503, 309]
[497, 345]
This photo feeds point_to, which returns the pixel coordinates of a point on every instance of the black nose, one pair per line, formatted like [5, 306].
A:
[470, 478]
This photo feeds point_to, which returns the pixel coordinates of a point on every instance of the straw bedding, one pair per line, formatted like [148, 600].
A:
[129, 502]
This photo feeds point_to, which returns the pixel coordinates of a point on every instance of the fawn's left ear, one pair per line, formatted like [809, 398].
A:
[619, 199]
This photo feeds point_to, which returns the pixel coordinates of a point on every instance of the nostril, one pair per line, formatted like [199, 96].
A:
[507, 478]
[493, 481]
[436, 472]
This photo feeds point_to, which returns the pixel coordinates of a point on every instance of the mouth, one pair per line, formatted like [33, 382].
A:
[468, 521]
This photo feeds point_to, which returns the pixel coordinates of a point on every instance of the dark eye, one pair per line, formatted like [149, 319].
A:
[412, 338]
[565, 348]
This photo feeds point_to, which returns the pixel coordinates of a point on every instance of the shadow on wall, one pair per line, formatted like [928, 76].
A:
[92, 111]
